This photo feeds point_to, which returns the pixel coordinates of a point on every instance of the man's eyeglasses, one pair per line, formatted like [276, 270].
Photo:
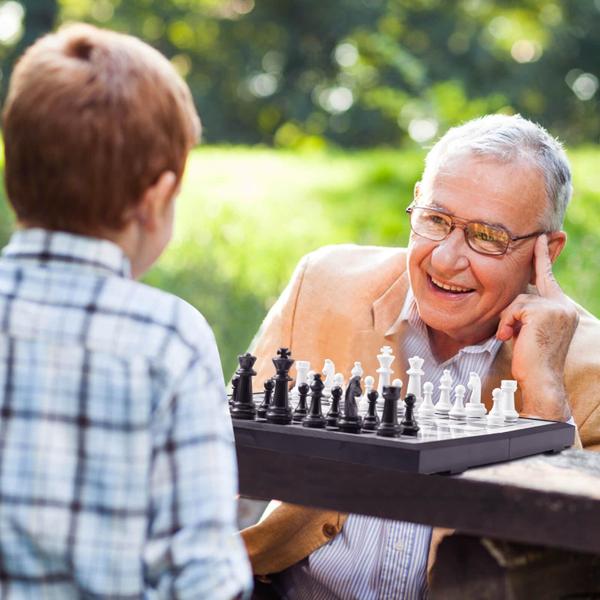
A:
[436, 225]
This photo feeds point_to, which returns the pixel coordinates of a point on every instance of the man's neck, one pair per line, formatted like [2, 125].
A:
[444, 347]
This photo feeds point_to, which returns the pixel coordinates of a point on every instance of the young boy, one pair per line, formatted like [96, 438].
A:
[117, 465]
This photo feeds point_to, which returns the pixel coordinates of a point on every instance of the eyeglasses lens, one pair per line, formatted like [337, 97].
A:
[436, 226]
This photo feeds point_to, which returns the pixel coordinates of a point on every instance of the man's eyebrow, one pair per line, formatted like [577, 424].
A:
[438, 206]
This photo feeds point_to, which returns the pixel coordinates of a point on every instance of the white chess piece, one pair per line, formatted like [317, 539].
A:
[363, 405]
[475, 407]
[302, 369]
[496, 415]
[509, 387]
[415, 372]
[357, 370]
[386, 358]
[427, 408]
[443, 405]
[329, 372]
[458, 408]
[398, 383]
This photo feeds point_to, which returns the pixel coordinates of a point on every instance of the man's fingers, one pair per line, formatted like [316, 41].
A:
[545, 282]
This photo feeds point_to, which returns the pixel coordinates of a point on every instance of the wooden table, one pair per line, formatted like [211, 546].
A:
[550, 501]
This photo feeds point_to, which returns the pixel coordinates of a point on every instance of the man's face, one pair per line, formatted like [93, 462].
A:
[478, 189]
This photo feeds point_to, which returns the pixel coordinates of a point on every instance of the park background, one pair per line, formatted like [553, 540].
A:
[317, 116]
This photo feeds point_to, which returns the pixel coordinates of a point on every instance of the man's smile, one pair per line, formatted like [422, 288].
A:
[448, 287]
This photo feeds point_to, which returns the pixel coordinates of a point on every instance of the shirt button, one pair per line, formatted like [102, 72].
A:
[399, 546]
[329, 530]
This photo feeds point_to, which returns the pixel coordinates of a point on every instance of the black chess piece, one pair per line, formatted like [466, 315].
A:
[371, 419]
[302, 408]
[409, 426]
[389, 421]
[279, 411]
[261, 411]
[334, 412]
[315, 418]
[235, 380]
[350, 421]
[243, 404]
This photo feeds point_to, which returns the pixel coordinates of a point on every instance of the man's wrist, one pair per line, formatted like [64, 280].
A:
[547, 399]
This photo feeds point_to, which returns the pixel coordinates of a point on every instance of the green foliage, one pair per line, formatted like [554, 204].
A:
[246, 216]
[358, 73]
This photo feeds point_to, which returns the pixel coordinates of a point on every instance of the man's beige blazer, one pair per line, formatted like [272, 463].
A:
[343, 303]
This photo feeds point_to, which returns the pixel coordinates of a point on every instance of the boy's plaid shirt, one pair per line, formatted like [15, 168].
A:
[117, 464]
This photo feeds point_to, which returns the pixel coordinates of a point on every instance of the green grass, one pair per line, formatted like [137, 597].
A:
[247, 215]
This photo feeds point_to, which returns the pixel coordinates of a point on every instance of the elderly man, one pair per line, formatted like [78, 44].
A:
[473, 292]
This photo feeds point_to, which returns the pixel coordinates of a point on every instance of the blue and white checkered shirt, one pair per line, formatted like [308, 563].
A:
[380, 559]
[117, 465]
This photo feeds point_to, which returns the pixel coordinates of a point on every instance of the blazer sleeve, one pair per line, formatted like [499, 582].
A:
[277, 328]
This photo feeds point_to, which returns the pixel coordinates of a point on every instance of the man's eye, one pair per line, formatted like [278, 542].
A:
[486, 236]
[436, 219]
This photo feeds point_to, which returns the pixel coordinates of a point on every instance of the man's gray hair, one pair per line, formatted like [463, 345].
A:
[508, 139]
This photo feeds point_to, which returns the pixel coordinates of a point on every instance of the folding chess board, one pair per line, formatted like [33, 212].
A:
[441, 445]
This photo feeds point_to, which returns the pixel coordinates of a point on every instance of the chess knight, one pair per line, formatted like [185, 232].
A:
[475, 286]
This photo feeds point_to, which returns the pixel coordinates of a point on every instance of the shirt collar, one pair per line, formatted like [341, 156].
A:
[45, 247]
[410, 314]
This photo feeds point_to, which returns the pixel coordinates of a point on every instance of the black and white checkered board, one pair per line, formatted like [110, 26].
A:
[441, 446]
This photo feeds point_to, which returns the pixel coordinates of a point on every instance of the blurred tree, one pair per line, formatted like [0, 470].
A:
[359, 72]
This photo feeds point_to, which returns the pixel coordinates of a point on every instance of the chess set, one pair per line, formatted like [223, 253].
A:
[374, 427]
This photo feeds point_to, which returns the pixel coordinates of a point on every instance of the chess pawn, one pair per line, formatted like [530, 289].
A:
[334, 412]
[279, 411]
[301, 409]
[385, 358]
[363, 405]
[409, 426]
[235, 381]
[261, 411]
[338, 380]
[509, 387]
[389, 421]
[442, 408]
[357, 370]
[243, 405]
[458, 410]
[302, 369]
[415, 372]
[496, 415]
[315, 418]
[350, 421]
[398, 383]
[427, 408]
[371, 419]
[475, 407]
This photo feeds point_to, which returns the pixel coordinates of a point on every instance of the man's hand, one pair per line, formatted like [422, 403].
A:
[542, 327]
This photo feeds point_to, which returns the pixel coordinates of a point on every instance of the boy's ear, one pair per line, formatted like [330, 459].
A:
[156, 200]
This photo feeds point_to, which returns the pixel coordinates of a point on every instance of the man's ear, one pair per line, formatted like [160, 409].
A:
[556, 243]
[417, 191]
[156, 200]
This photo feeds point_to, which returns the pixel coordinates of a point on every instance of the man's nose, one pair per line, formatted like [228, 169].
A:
[450, 254]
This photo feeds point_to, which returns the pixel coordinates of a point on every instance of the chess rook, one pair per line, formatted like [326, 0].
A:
[509, 387]
[389, 426]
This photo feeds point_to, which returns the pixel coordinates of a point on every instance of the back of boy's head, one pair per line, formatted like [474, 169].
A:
[91, 120]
